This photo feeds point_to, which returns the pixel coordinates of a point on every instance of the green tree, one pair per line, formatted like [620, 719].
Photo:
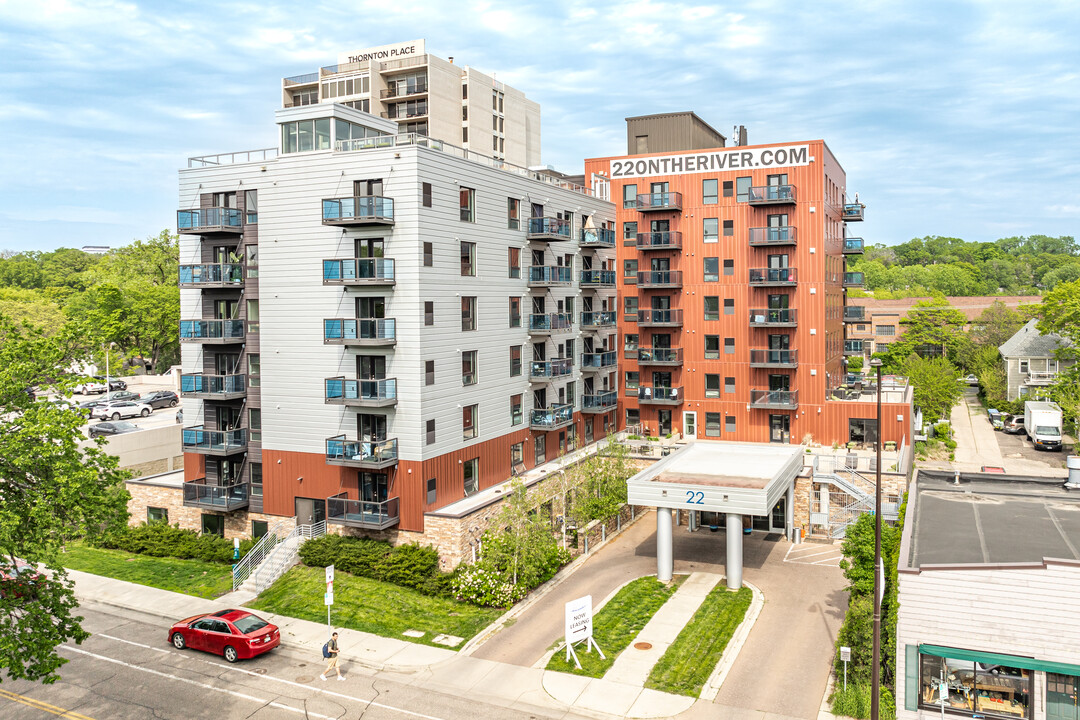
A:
[936, 384]
[522, 544]
[54, 490]
[1059, 313]
[995, 325]
[599, 484]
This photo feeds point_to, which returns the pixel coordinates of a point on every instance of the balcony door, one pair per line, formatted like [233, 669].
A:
[537, 210]
[371, 428]
[661, 340]
[367, 187]
[539, 351]
[779, 342]
[779, 302]
[540, 398]
[228, 418]
[777, 262]
[777, 180]
[538, 305]
[374, 487]
[779, 382]
[370, 307]
[370, 367]
[226, 363]
[660, 264]
[660, 226]
[589, 386]
[368, 247]
[661, 302]
[661, 379]
[658, 187]
[226, 309]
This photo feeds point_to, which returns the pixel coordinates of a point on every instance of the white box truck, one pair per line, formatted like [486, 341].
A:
[1042, 423]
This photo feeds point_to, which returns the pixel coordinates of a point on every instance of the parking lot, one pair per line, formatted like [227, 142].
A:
[978, 445]
[142, 384]
[1019, 447]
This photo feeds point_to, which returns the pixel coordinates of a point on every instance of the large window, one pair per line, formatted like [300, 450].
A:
[213, 524]
[862, 430]
[254, 370]
[629, 271]
[157, 515]
[712, 424]
[710, 229]
[305, 135]
[712, 386]
[742, 189]
[885, 330]
[471, 475]
[711, 266]
[513, 262]
[629, 196]
[629, 231]
[255, 424]
[708, 192]
[712, 347]
[539, 449]
[975, 688]
[712, 307]
[251, 207]
[432, 491]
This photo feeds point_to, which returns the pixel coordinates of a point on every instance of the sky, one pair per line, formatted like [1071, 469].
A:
[950, 118]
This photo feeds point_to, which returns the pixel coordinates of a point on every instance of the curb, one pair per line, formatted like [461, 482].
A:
[711, 688]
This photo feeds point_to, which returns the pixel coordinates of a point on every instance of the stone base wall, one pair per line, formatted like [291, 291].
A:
[237, 524]
[156, 467]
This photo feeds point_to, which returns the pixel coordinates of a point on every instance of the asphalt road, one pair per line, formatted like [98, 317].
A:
[127, 671]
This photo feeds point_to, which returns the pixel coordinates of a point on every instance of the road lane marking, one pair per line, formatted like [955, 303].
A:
[253, 674]
[40, 705]
[809, 555]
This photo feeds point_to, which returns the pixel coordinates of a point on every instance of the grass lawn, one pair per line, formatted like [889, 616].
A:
[372, 606]
[690, 660]
[617, 624]
[191, 577]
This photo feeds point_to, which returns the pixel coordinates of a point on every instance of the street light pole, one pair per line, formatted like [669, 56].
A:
[875, 670]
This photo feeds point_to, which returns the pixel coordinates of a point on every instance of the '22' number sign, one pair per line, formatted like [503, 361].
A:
[695, 497]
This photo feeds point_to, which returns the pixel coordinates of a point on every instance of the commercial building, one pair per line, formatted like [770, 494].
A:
[1031, 361]
[426, 95]
[733, 309]
[989, 573]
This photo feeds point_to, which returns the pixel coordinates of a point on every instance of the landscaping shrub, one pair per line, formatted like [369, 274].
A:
[855, 701]
[408, 565]
[161, 540]
[413, 566]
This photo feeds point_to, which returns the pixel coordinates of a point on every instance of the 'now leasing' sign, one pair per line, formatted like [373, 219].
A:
[579, 619]
[716, 161]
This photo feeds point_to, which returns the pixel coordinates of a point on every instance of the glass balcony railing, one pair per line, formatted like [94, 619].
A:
[659, 317]
[853, 279]
[212, 275]
[550, 275]
[772, 236]
[599, 402]
[553, 417]
[213, 219]
[360, 331]
[853, 246]
[358, 271]
[773, 276]
[659, 201]
[660, 356]
[550, 322]
[767, 358]
[653, 394]
[550, 369]
[597, 278]
[598, 360]
[773, 317]
[211, 386]
[214, 442]
[594, 319]
[853, 347]
[212, 330]
[659, 279]
[360, 210]
[362, 513]
[597, 237]
[853, 212]
[371, 393]
[548, 228]
[771, 195]
[361, 453]
[404, 90]
[778, 399]
[855, 313]
[668, 240]
[225, 498]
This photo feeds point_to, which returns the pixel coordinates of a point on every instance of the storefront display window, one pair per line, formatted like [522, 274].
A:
[975, 688]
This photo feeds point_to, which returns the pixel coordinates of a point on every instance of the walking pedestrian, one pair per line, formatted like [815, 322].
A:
[330, 651]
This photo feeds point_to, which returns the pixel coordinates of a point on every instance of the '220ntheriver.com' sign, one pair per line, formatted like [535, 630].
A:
[791, 156]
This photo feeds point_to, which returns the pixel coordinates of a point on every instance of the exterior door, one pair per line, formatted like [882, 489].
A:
[663, 418]
[689, 424]
[778, 516]
[780, 428]
[309, 511]
[1061, 697]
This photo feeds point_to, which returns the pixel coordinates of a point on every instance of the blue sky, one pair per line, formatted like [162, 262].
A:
[950, 118]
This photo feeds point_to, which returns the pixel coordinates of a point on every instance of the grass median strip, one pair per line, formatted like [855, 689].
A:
[618, 623]
[191, 577]
[373, 606]
[690, 660]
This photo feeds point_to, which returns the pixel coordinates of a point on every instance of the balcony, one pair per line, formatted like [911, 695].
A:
[223, 498]
[854, 314]
[772, 236]
[212, 332]
[550, 276]
[212, 275]
[771, 195]
[594, 320]
[774, 399]
[782, 359]
[367, 454]
[358, 271]
[853, 212]
[1041, 378]
[659, 241]
[209, 220]
[599, 238]
[548, 370]
[360, 332]
[853, 246]
[659, 201]
[404, 113]
[660, 395]
[549, 323]
[196, 439]
[659, 318]
[213, 387]
[395, 91]
[548, 228]
[773, 277]
[597, 278]
[360, 210]
[597, 361]
[853, 347]
[853, 279]
[362, 513]
[773, 317]
[551, 418]
[599, 403]
[650, 279]
[660, 356]
[361, 393]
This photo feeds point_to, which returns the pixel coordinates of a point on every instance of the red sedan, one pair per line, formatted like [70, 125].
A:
[234, 634]
[18, 580]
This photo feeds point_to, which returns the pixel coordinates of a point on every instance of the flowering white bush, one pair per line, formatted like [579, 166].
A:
[482, 586]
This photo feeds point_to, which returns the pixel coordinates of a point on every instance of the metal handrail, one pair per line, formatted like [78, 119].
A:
[258, 552]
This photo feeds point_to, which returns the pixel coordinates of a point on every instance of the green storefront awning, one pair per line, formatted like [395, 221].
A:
[989, 658]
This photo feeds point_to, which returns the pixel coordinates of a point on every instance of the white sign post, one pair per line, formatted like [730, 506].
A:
[579, 628]
[845, 655]
[328, 597]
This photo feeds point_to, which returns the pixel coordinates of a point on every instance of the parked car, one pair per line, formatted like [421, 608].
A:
[1013, 424]
[122, 395]
[90, 386]
[972, 380]
[161, 398]
[86, 407]
[18, 580]
[114, 383]
[995, 418]
[233, 634]
[114, 427]
[117, 410]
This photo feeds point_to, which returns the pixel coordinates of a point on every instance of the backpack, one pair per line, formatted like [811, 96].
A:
[326, 650]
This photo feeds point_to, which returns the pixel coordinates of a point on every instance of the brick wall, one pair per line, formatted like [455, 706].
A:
[237, 524]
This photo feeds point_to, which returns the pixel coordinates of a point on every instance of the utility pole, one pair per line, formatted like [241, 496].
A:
[875, 670]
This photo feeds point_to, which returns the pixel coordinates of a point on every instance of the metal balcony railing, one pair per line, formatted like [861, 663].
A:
[358, 210]
[551, 418]
[224, 498]
[361, 393]
[597, 238]
[771, 195]
[854, 313]
[548, 228]
[207, 220]
[212, 331]
[597, 319]
[663, 395]
[773, 276]
[359, 271]
[659, 279]
[599, 360]
[544, 323]
[772, 236]
[853, 347]
[361, 453]
[360, 331]
[666, 240]
[773, 317]
[212, 275]
[647, 202]
[597, 278]
[853, 246]
[214, 442]
[599, 402]
[213, 387]
[659, 317]
[396, 91]
[550, 369]
[853, 212]
[366, 514]
[548, 275]
[766, 358]
[853, 279]
[660, 356]
[774, 399]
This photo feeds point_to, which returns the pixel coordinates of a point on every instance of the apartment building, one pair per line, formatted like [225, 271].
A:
[426, 95]
[380, 324]
[733, 280]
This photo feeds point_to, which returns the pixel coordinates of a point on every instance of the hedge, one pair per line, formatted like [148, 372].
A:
[161, 540]
[413, 566]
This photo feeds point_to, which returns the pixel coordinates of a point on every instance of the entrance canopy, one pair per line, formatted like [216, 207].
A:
[739, 478]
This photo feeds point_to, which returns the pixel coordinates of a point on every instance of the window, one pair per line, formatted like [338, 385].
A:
[425, 194]
[629, 271]
[710, 228]
[712, 386]
[252, 261]
[471, 475]
[862, 430]
[213, 525]
[742, 189]
[251, 207]
[708, 192]
[254, 424]
[1024, 365]
[885, 330]
[630, 308]
[981, 688]
[253, 316]
[429, 255]
[468, 367]
[729, 266]
[571, 395]
[429, 372]
[464, 91]
[517, 457]
[712, 347]
[729, 386]
[256, 480]
[712, 269]
[729, 228]
[513, 262]
[629, 196]
[516, 414]
[468, 421]
[630, 346]
[515, 312]
[539, 449]
[515, 360]
[729, 423]
[729, 346]
[253, 370]
[629, 231]
[728, 188]
[712, 424]
[156, 515]
[432, 493]
[259, 528]
[429, 313]
[631, 383]
[468, 313]
[712, 307]
[305, 135]
[465, 135]
[468, 259]
[467, 201]
[429, 429]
